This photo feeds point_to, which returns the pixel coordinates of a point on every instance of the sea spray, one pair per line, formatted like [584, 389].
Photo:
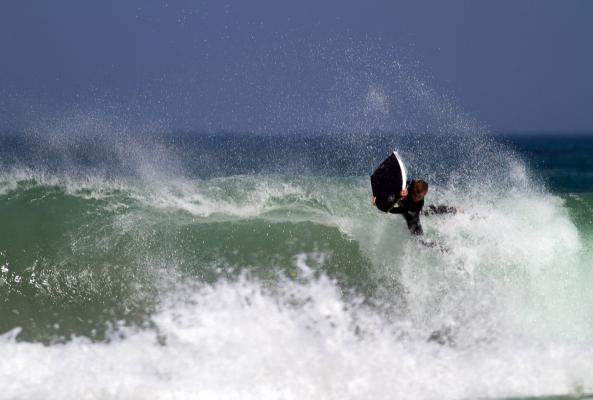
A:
[246, 338]
[139, 261]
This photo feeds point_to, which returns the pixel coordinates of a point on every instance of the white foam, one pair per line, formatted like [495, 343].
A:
[299, 339]
[243, 197]
[89, 186]
[508, 298]
[239, 196]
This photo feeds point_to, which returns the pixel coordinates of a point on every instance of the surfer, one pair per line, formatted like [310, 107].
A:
[411, 204]
[394, 193]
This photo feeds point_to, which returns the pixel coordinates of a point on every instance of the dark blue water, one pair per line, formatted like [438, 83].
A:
[564, 161]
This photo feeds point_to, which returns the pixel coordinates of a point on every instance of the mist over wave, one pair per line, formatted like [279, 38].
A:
[252, 274]
[140, 262]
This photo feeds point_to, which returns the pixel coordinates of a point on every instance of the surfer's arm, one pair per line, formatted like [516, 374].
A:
[397, 210]
[432, 209]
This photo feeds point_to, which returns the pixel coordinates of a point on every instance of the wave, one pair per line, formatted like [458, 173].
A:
[275, 277]
[136, 262]
[244, 339]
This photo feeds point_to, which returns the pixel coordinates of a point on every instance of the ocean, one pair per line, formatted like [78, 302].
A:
[241, 266]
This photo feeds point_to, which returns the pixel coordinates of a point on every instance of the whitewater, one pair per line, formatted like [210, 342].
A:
[239, 267]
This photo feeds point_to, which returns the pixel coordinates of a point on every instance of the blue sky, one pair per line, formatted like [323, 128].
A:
[243, 65]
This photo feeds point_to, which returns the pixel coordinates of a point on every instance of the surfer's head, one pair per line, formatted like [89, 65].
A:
[419, 190]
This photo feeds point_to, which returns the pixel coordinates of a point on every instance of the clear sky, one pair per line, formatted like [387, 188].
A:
[206, 65]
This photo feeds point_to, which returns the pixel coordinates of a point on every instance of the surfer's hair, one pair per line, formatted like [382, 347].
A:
[421, 185]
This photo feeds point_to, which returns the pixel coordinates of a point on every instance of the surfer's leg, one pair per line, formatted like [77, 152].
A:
[413, 221]
[433, 244]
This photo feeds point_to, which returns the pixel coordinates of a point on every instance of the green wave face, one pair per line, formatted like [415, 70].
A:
[75, 261]
[82, 257]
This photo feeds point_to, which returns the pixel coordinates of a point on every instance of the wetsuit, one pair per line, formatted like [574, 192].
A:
[411, 210]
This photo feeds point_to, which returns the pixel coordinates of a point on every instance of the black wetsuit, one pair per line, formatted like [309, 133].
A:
[411, 210]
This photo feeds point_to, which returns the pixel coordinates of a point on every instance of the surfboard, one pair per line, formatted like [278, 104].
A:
[388, 180]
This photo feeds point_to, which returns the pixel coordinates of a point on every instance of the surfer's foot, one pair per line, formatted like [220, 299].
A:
[443, 336]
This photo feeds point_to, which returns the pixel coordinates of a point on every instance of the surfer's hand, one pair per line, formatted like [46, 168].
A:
[374, 200]
[460, 210]
[403, 193]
